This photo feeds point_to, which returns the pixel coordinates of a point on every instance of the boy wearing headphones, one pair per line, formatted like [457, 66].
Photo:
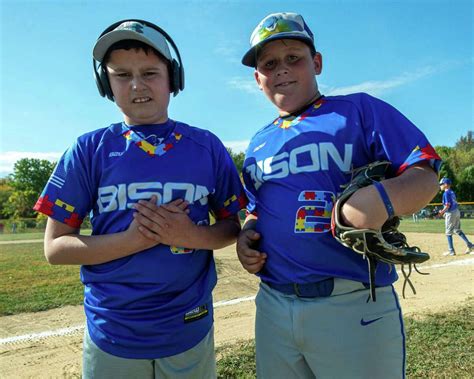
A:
[149, 184]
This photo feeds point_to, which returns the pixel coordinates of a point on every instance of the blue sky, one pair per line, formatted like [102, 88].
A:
[416, 55]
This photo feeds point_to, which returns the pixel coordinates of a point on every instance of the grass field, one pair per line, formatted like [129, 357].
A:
[25, 275]
[439, 346]
[21, 236]
[433, 226]
[31, 235]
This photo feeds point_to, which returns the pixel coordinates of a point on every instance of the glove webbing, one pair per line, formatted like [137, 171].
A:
[372, 263]
[407, 277]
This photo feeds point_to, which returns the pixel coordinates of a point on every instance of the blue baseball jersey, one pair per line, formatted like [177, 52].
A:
[449, 197]
[295, 167]
[155, 303]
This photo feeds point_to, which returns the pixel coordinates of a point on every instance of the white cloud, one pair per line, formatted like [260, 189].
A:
[228, 52]
[237, 146]
[246, 85]
[8, 159]
[373, 87]
[379, 87]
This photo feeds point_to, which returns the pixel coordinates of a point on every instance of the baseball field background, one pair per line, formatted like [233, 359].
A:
[42, 321]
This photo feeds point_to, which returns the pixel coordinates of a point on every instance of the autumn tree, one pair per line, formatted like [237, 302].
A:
[458, 166]
[27, 181]
[5, 191]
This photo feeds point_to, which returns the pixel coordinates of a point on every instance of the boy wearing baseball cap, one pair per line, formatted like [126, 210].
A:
[452, 217]
[148, 275]
[313, 315]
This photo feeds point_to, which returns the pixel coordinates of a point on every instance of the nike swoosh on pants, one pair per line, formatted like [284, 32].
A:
[364, 323]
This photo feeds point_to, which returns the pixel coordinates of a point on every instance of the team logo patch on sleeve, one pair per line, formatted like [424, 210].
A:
[196, 314]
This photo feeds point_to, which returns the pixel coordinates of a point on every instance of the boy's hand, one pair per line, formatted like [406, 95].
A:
[135, 236]
[168, 224]
[252, 260]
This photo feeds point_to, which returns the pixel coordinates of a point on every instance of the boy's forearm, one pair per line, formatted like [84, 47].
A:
[412, 190]
[221, 234]
[89, 250]
[64, 245]
[408, 193]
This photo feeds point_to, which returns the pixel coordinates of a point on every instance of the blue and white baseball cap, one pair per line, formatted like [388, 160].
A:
[133, 30]
[277, 26]
[445, 180]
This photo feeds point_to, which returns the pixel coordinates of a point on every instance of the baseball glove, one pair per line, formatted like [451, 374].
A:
[388, 244]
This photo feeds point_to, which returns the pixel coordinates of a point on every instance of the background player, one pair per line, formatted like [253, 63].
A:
[147, 301]
[313, 316]
[452, 217]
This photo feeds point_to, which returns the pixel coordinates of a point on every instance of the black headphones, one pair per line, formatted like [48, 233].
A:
[176, 67]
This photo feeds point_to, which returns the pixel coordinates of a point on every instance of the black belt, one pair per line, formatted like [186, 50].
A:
[322, 288]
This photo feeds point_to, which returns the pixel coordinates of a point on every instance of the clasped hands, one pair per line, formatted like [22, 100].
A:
[167, 224]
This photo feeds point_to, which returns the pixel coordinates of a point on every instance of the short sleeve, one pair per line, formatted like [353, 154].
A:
[228, 197]
[68, 194]
[391, 136]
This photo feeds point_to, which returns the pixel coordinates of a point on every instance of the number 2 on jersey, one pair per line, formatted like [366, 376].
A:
[314, 217]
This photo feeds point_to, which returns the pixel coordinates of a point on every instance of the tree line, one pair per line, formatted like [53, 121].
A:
[458, 165]
[20, 190]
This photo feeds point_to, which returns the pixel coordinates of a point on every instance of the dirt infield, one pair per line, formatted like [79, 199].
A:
[48, 344]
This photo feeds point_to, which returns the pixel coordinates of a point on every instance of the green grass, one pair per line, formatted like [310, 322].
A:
[21, 236]
[236, 360]
[31, 235]
[438, 346]
[28, 283]
[441, 345]
[433, 226]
